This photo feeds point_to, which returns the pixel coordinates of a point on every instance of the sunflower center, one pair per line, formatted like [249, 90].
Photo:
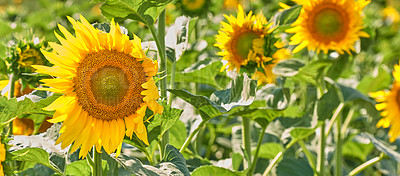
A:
[329, 23]
[108, 84]
[244, 43]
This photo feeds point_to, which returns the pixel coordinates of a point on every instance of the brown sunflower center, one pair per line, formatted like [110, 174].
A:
[328, 23]
[108, 84]
[244, 43]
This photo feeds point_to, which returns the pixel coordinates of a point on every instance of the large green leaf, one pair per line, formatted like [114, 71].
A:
[203, 72]
[178, 134]
[145, 11]
[357, 150]
[36, 155]
[78, 168]
[382, 146]
[276, 98]
[213, 171]
[293, 167]
[242, 92]
[288, 67]
[300, 133]
[287, 16]
[370, 84]
[269, 150]
[208, 109]
[11, 108]
[260, 115]
[172, 155]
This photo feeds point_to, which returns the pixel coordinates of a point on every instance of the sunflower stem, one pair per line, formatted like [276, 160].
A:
[321, 154]
[366, 164]
[163, 68]
[187, 141]
[98, 169]
[309, 156]
[338, 147]
[11, 94]
[255, 158]
[246, 140]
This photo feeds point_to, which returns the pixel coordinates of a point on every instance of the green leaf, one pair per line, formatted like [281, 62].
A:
[145, 11]
[383, 146]
[293, 167]
[371, 84]
[262, 116]
[11, 108]
[236, 161]
[357, 150]
[208, 109]
[309, 72]
[80, 167]
[288, 67]
[299, 133]
[175, 157]
[269, 150]
[242, 93]
[213, 171]
[169, 117]
[287, 16]
[203, 72]
[276, 98]
[36, 155]
[178, 134]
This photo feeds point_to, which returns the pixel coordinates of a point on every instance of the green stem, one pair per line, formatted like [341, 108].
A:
[255, 158]
[366, 164]
[246, 140]
[338, 146]
[321, 154]
[90, 161]
[11, 92]
[172, 83]
[346, 123]
[163, 69]
[187, 141]
[309, 156]
[276, 159]
[97, 169]
[334, 117]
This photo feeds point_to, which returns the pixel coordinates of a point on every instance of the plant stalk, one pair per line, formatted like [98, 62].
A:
[309, 156]
[163, 69]
[276, 159]
[255, 158]
[187, 141]
[98, 169]
[338, 171]
[321, 154]
[246, 140]
[333, 118]
[366, 164]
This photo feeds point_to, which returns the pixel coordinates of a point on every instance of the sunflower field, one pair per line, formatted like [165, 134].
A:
[200, 87]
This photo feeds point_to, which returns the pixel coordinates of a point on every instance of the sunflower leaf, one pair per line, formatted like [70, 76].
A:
[214, 170]
[287, 16]
[172, 155]
[145, 11]
[36, 155]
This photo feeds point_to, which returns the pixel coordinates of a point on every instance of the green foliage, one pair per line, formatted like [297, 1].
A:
[36, 155]
[294, 167]
[78, 168]
[145, 11]
[213, 171]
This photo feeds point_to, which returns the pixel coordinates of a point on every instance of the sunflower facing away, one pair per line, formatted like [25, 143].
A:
[328, 25]
[107, 85]
[242, 42]
[389, 105]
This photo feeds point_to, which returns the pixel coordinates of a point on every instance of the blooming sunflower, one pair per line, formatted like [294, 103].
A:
[328, 25]
[243, 45]
[107, 82]
[391, 14]
[389, 105]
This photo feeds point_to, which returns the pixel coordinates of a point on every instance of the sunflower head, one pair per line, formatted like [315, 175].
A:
[328, 25]
[107, 82]
[391, 15]
[194, 8]
[388, 102]
[248, 45]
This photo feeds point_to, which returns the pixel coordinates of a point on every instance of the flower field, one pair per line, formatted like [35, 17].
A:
[200, 87]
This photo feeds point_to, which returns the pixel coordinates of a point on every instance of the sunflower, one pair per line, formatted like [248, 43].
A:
[194, 8]
[107, 85]
[389, 105]
[2, 157]
[391, 15]
[328, 25]
[245, 43]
